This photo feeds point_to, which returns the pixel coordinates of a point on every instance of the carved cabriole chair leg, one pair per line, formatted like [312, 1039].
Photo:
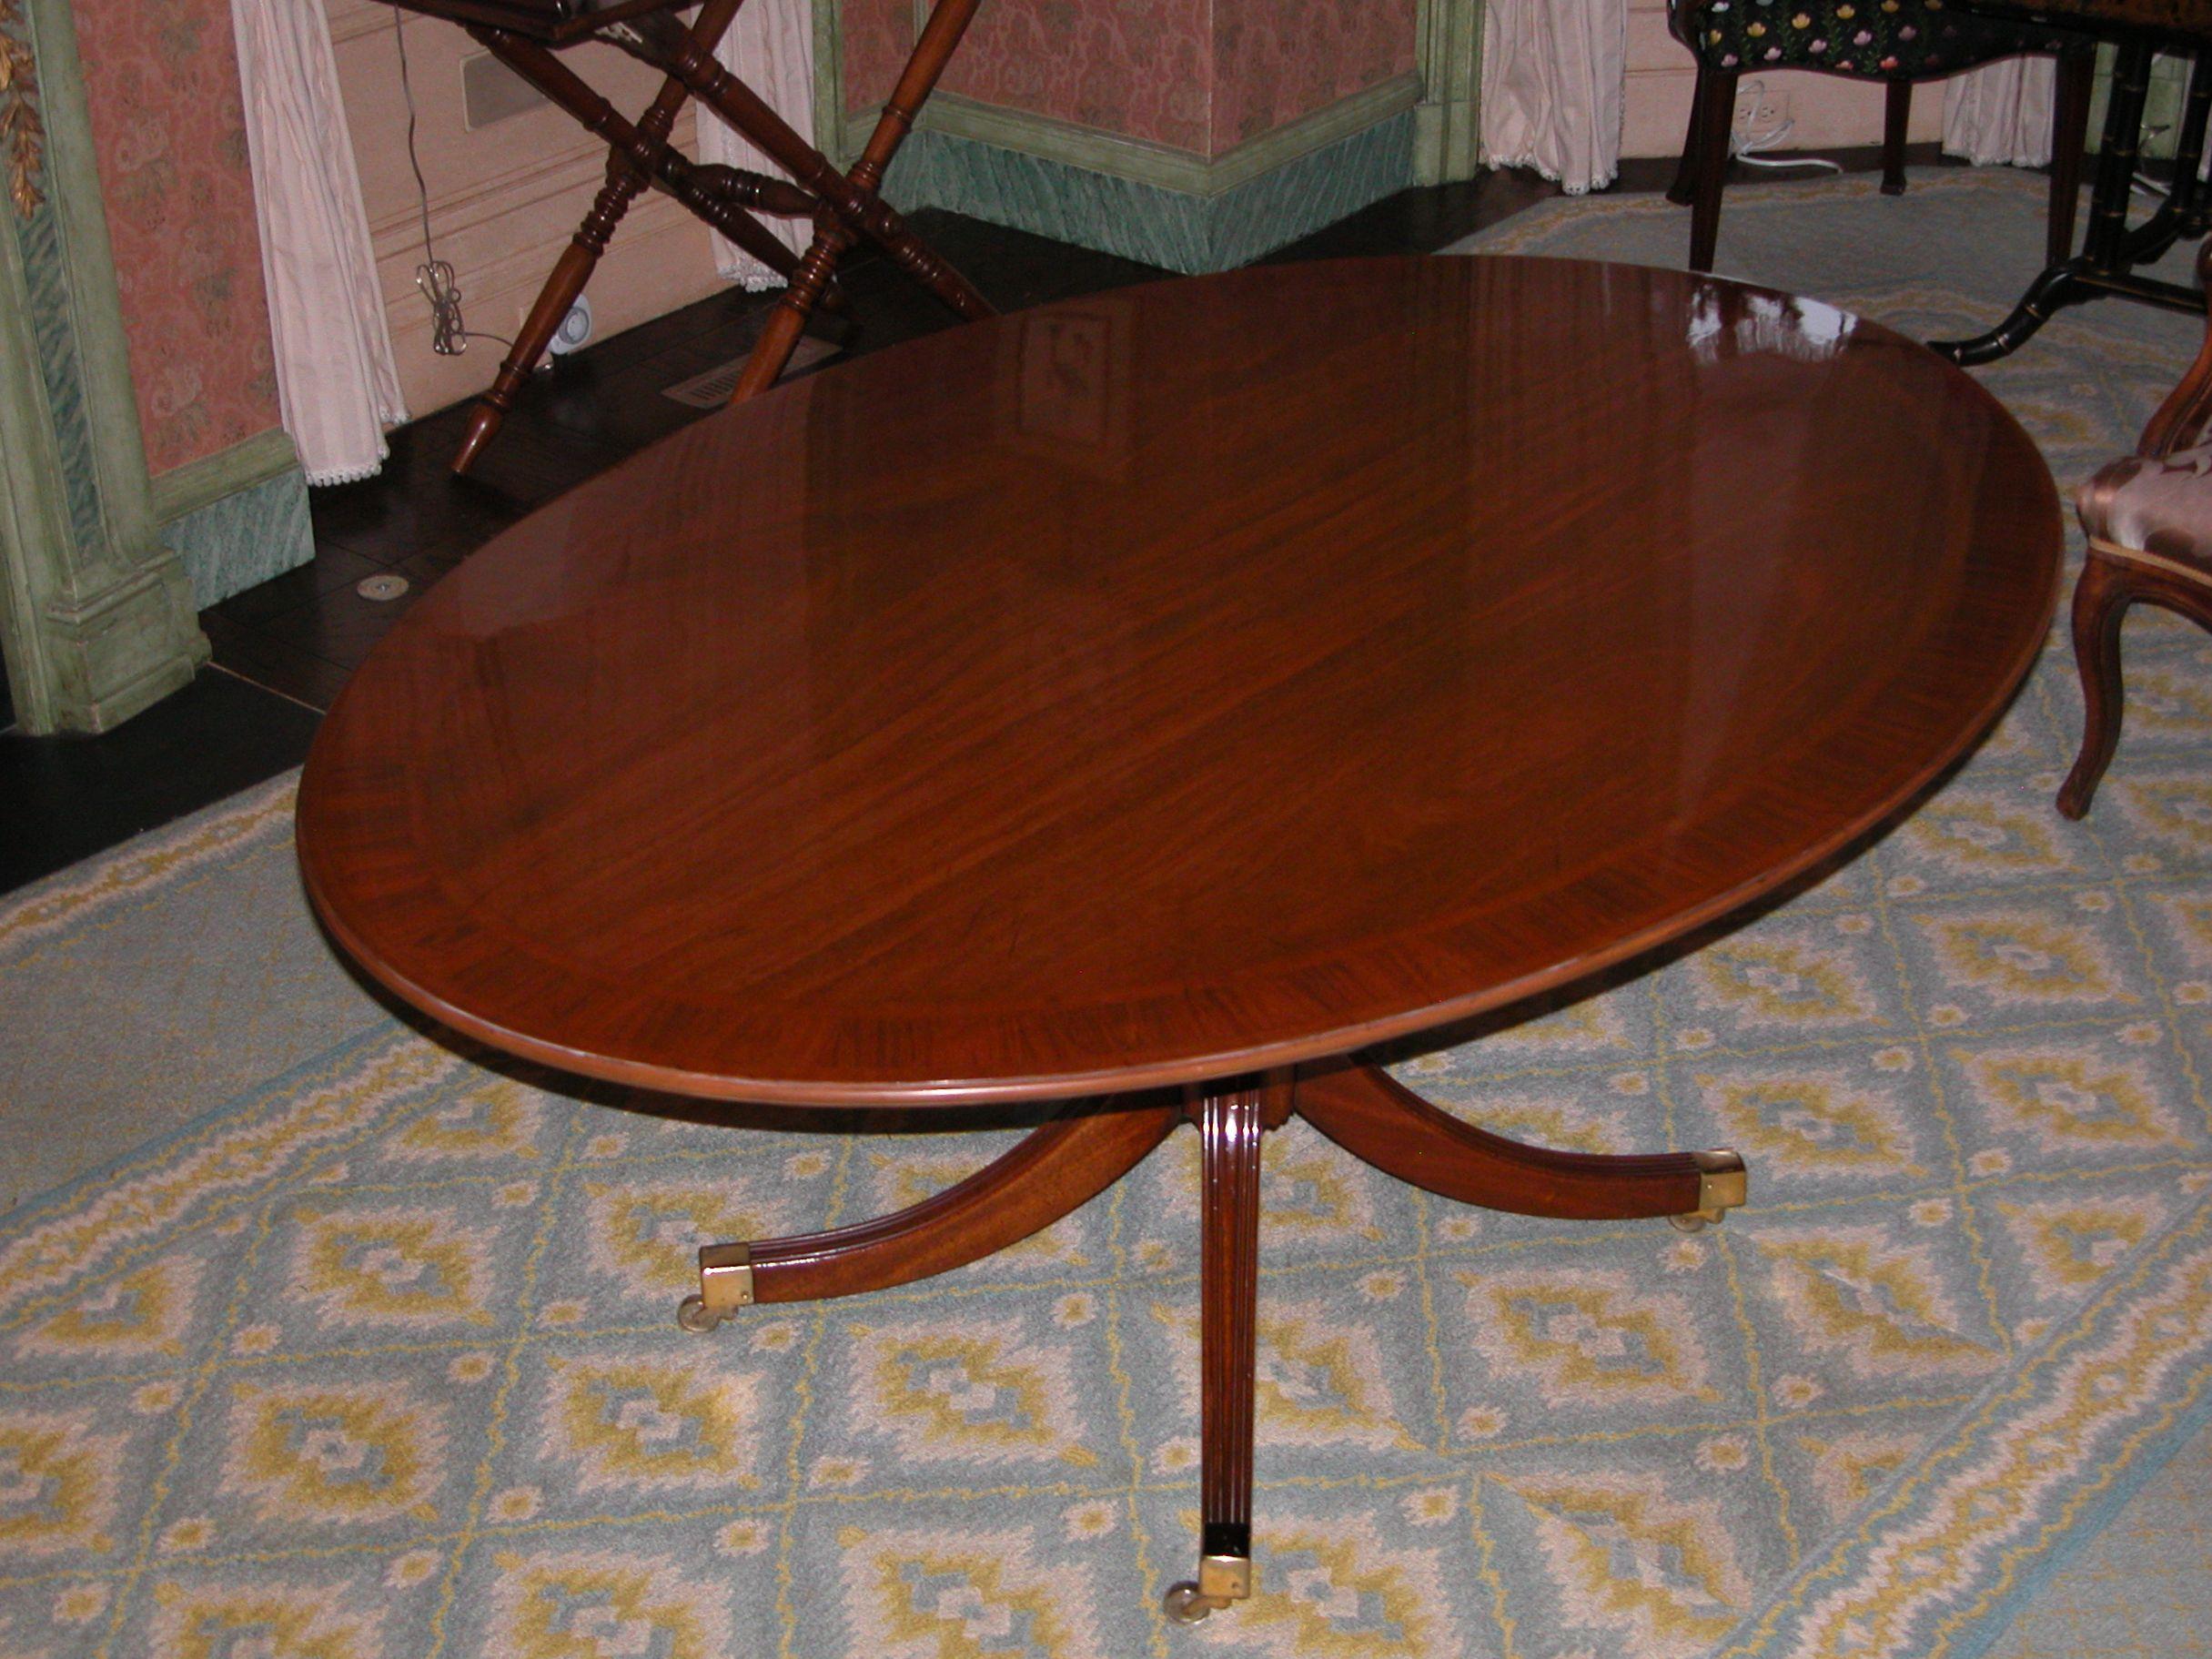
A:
[2101, 598]
[1381, 1122]
[2111, 581]
[1052, 1173]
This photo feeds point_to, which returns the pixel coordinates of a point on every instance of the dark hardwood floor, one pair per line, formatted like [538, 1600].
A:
[283, 650]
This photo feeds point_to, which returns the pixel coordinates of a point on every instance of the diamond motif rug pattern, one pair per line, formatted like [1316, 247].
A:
[376, 1356]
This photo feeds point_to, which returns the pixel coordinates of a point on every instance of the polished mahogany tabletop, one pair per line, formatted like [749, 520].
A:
[1160, 686]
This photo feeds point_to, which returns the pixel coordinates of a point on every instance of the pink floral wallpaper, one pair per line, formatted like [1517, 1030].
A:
[875, 35]
[1277, 61]
[162, 80]
[1200, 76]
[1138, 68]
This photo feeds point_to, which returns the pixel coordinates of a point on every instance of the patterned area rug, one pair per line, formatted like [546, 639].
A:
[376, 1356]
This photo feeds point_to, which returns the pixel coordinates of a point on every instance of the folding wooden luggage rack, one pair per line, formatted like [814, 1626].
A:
[524, 34]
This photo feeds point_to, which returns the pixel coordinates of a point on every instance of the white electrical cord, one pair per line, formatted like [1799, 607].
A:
[1746, 151]
[1745, 147]
[449, 334]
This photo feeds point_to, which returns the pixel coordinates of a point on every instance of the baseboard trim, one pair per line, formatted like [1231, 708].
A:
[1157, 164]
[1183, 230]
[237, 517]
[203, 482]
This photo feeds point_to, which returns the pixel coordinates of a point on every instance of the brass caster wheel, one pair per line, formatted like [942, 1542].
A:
[725, 1285]
[1691, 1223]
[1185, 1603]
[693, 1314]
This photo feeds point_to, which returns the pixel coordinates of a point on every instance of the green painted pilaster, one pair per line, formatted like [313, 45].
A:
[1449, 59]
[95, 615]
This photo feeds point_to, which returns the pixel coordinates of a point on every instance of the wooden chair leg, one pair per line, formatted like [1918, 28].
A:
[626, 179]
[568, 275]
[577, 261]
[835, 229]
[1714, 120]
[787, 318]
[636, 152]
[1380, 1121]
[1683, 190]
[2101, 598]
[2069, 140]
[1230, 1125]
[711, 194]
[1052, 1173]
[1896, 116]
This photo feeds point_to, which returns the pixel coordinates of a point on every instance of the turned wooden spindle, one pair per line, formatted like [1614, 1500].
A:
[626, 175]
[858, 208]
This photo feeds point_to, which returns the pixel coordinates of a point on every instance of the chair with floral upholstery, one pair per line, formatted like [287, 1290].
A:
[2148, 518]
[1895, 42]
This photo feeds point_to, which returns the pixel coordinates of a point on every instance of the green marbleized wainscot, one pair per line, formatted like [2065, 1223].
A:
[1018, 139]
[96, 615]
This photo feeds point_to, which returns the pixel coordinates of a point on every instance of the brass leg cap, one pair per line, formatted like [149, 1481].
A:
[1722, 1184]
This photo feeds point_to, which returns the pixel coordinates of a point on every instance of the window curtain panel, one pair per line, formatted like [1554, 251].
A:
[1554, 76]
[2000, 114]
[338, 383]
[770, 47]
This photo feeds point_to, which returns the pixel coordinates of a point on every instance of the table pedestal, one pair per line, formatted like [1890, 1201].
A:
[1068, 1161]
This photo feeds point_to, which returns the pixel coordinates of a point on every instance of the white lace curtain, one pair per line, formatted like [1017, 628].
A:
[338, 382]
[772, 47]
[2001, 113]
[338, 385]
[1554, 72]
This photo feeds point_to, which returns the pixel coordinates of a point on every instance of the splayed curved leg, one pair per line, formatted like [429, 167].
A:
[1053, 1172]
[1380, 1121]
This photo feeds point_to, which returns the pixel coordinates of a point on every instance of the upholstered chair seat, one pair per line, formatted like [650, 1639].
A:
[1895, 42]
[2154, 508]
[1906, 40]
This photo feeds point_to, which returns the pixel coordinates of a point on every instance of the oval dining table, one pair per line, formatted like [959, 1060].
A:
[1149, 704]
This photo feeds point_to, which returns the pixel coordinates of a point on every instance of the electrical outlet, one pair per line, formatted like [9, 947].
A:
[575, 330]
[1761, 113]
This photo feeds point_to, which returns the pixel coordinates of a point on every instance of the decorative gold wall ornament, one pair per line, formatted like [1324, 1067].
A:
[20, 128]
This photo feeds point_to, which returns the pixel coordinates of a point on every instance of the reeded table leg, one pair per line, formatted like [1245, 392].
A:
[1229, 1128]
